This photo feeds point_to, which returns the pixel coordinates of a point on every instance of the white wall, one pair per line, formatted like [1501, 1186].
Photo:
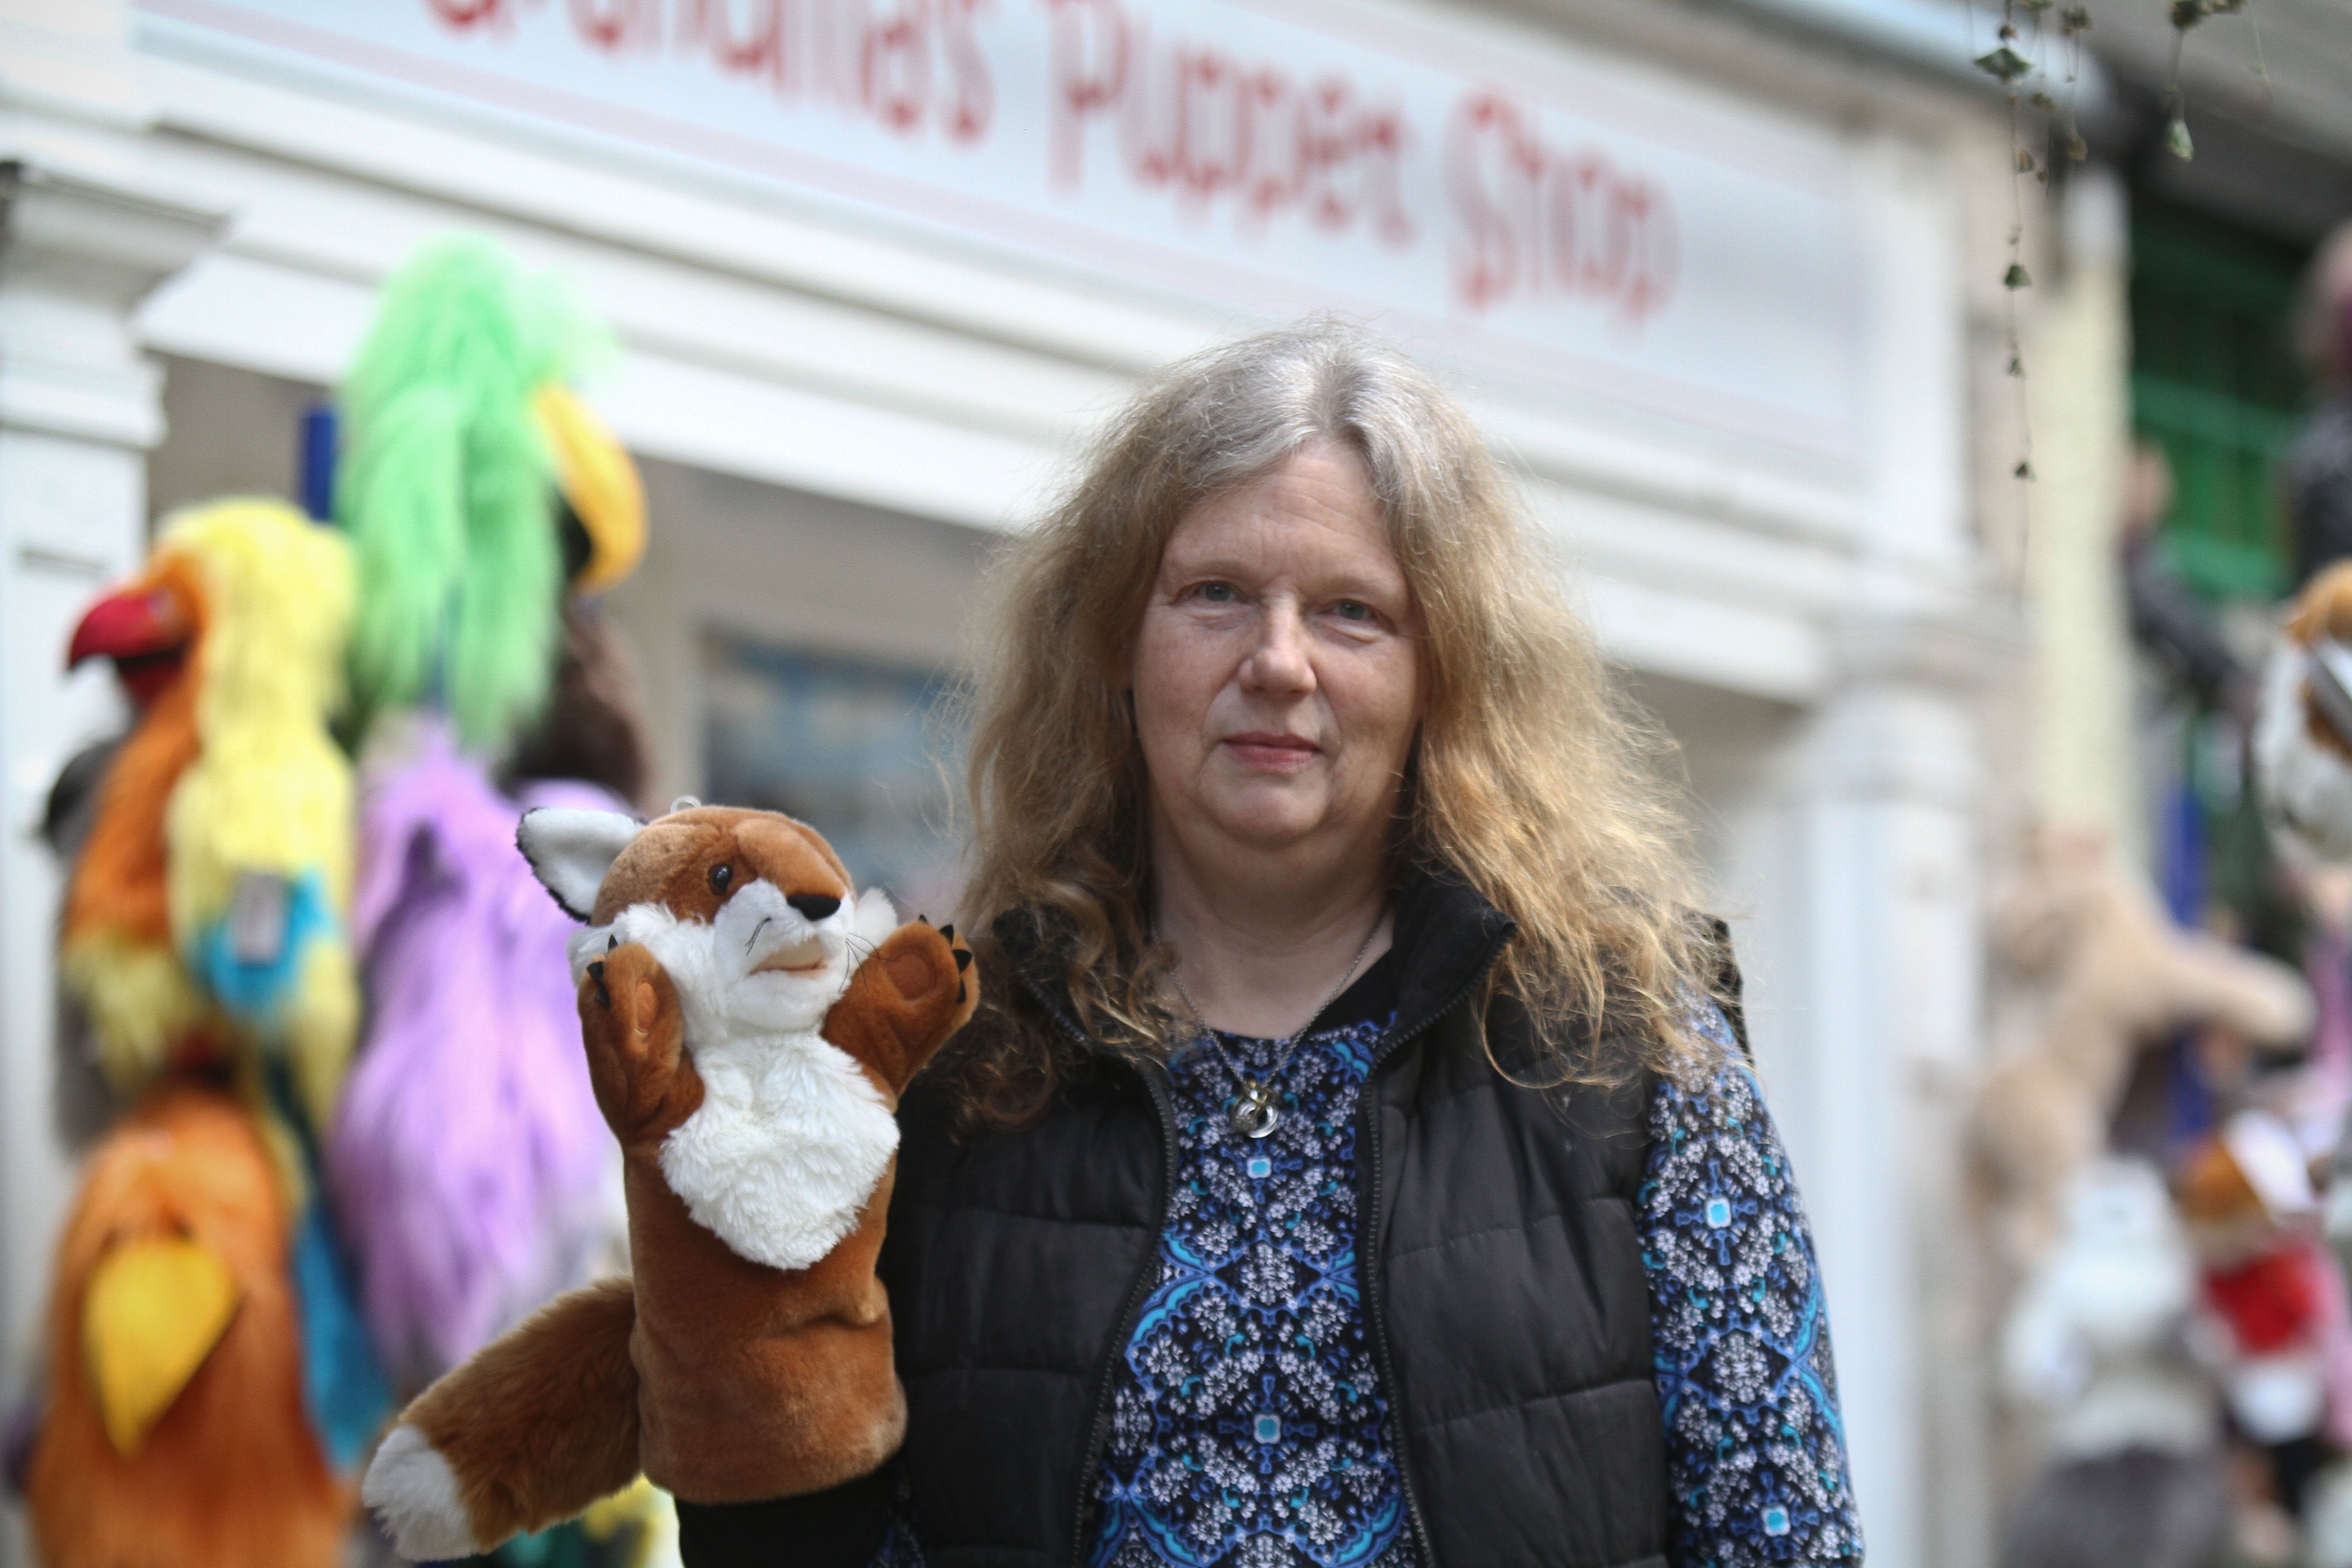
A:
[77, 410]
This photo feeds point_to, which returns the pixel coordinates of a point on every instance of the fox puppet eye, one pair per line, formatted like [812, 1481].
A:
[721, 875]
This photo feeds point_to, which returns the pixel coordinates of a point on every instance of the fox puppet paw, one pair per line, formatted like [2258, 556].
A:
[912, 992]
[635, 1033]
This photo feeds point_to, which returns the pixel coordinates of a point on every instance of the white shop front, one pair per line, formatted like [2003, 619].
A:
[874, 266]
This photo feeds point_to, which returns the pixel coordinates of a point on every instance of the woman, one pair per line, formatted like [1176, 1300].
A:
[1353, 1163]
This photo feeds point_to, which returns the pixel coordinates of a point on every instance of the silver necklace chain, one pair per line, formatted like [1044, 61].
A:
[1253, 1113]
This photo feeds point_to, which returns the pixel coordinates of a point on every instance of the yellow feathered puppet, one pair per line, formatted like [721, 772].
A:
[205, 915]
[205, 1371]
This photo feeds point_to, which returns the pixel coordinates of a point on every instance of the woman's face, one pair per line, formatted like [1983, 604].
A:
[1275, 675]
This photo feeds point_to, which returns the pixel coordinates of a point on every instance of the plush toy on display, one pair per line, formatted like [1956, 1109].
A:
[457, 421]
[484, 501]
[2095, 972]
[490, 511]
[2101, 1342]
[2247, 1196]
[84, 1101]
[203, 911]
[2302, 739]
[175, 1432]
[749, 1023]
[204, 1378]
[471, 1168]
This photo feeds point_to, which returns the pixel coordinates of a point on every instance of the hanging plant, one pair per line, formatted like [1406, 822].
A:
[2185, 15]
[2014, 62]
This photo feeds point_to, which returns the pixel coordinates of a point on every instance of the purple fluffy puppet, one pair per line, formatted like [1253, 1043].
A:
[469, 1164]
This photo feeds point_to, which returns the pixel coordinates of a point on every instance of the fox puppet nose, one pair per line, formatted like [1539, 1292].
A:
[813, 906]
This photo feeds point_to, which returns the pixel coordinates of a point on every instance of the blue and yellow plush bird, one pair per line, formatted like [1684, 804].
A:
[204, 920]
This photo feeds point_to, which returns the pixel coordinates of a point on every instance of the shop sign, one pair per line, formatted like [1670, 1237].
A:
[1640, 241]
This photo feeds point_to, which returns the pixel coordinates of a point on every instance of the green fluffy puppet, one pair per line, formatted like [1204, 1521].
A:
[446, 485]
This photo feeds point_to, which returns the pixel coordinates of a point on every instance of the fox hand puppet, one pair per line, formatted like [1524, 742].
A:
[749, 1027]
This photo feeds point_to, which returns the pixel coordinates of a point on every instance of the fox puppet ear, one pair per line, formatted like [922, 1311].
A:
[569, 851]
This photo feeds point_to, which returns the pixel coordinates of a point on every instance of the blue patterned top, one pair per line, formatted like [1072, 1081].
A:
[1755, 1449]
[1247, 1421]
[1249, 1425]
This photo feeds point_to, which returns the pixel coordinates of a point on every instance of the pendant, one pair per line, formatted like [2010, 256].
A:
[1253, 1112]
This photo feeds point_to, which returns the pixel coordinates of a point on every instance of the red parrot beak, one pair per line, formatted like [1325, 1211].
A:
[142, 630]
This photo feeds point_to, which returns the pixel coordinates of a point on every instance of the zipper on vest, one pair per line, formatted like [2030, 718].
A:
[1154, 1079]
[1368, 1261]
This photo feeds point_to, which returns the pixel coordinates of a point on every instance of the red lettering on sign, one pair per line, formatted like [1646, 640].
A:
[1212, 127]
[463, 14]
[1533, 222]
[755, 47]
[616, 26]
[915, 65]
[972, 100]
[894, 68]
[1088, 66]
[1219, 134]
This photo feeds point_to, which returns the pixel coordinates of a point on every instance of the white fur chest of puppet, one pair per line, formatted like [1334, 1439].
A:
[791, 1136]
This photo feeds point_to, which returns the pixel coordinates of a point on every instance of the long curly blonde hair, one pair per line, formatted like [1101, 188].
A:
[1532, 779]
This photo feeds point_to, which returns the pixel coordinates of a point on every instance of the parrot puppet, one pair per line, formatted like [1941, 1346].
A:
[206, 1375]
[175, 1434]
[457, 425]
[202, 920]
[487, 509]
[469, 1164]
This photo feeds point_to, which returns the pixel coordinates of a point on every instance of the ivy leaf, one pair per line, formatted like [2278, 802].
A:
[2025, 471]
[2075, 19]
[2016, 276]
[2177, 141]
[2004, 64]
[2043, 101]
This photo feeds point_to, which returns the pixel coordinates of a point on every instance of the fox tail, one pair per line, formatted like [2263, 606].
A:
[538, 1425]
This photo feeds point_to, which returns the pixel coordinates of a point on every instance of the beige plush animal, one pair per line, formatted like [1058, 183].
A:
[2094, 970]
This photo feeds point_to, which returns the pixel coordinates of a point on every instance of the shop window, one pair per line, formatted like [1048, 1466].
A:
[857, 749]
[2216, 383]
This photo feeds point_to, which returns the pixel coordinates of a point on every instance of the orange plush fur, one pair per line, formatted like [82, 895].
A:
[116, 953]
[118, 879]
[722, 1378]
[2324, 609]
[230, 1476]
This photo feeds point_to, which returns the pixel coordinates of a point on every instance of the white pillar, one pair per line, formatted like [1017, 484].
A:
[2086, 754]
[1862, 875]
[79, 407]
